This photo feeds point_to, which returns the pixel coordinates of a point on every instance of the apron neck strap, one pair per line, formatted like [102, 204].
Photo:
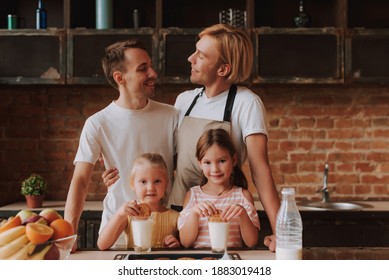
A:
[229, 103]
[194, 102]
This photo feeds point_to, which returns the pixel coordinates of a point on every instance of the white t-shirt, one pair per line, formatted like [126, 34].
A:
[248, 113]
[120, 135]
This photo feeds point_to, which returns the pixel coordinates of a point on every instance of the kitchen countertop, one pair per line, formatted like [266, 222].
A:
[110, 254]
[98, 206]
[309, 253]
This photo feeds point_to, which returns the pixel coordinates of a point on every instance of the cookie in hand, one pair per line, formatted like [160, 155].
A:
[145, 210]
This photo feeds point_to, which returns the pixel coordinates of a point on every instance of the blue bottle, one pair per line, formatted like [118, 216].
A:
[41, 16]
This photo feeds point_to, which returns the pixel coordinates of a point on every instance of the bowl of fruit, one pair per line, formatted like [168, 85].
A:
[32, 236]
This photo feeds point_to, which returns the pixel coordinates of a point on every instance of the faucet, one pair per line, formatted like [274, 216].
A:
[324, 189]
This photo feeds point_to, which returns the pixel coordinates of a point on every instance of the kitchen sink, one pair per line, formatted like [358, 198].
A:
[335, 205]
[327, 204]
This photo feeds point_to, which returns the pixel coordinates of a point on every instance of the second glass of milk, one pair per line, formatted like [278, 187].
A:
[218, 233]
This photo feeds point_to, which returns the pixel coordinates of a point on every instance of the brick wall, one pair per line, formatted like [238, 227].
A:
[348, 127]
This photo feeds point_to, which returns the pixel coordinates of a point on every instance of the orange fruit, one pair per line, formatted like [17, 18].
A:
[38, 233]
[62, 228]
[12, 222]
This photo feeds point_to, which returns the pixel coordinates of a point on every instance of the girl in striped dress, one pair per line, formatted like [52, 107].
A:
[223, 189]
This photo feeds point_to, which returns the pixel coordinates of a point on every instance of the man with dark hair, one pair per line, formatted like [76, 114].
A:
[129, 126]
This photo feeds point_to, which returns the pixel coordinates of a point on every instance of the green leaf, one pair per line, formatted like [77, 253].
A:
[34, 185]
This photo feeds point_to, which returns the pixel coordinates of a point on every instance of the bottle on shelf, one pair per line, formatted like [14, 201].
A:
[289, 228]
[41, 16]
[104, 12]
[12, 22]
[302, 19]
[136, 18]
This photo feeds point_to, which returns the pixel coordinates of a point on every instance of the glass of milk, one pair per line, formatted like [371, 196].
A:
[141, 232]
[218, 233]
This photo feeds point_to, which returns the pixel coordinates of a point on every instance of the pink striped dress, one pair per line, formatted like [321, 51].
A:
[234, 196]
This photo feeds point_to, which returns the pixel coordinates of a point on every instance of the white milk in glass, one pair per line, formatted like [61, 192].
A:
[218, 232]
[141, 232]
[289, 253]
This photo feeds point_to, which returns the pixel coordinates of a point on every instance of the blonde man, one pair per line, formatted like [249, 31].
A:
[223, 58]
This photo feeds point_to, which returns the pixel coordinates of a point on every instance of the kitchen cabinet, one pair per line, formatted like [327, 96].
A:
[339, 228]
[312, 55]
[27, 55]
[33, 57]
[286, 54]
[367, 53]
[177, 45]
[346, 42]
[367, 42]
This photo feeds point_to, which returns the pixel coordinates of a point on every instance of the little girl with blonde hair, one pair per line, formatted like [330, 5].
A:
[149, 179]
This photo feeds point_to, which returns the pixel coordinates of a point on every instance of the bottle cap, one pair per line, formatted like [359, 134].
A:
[288, 191]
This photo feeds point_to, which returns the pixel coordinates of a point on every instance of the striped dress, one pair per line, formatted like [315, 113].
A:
[234, 196]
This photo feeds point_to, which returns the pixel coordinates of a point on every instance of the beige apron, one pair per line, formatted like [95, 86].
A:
[188, 172]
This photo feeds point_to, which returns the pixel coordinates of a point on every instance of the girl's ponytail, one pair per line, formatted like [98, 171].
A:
[238, 178]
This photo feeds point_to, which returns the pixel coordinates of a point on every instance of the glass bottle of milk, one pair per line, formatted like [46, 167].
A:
[289, 228]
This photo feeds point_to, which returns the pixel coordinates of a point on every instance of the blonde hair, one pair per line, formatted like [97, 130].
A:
[155, 160]
[235, 48]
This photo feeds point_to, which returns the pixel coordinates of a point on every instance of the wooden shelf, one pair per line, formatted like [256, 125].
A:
[33, 56]
[312, 55]
[367, 58]
[195, 14]
[372, 14]
[26, 12]
[334, 50]
[83, 13]
[280, 13]
[175, 48]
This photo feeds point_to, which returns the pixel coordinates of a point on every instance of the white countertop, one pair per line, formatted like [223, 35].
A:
[110, 254]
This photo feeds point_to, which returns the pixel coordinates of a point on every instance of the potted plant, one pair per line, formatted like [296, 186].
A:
[34, 188]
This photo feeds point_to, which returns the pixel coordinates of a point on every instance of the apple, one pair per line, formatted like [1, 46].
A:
[25, 214]
[50, 215]
[36, 219]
